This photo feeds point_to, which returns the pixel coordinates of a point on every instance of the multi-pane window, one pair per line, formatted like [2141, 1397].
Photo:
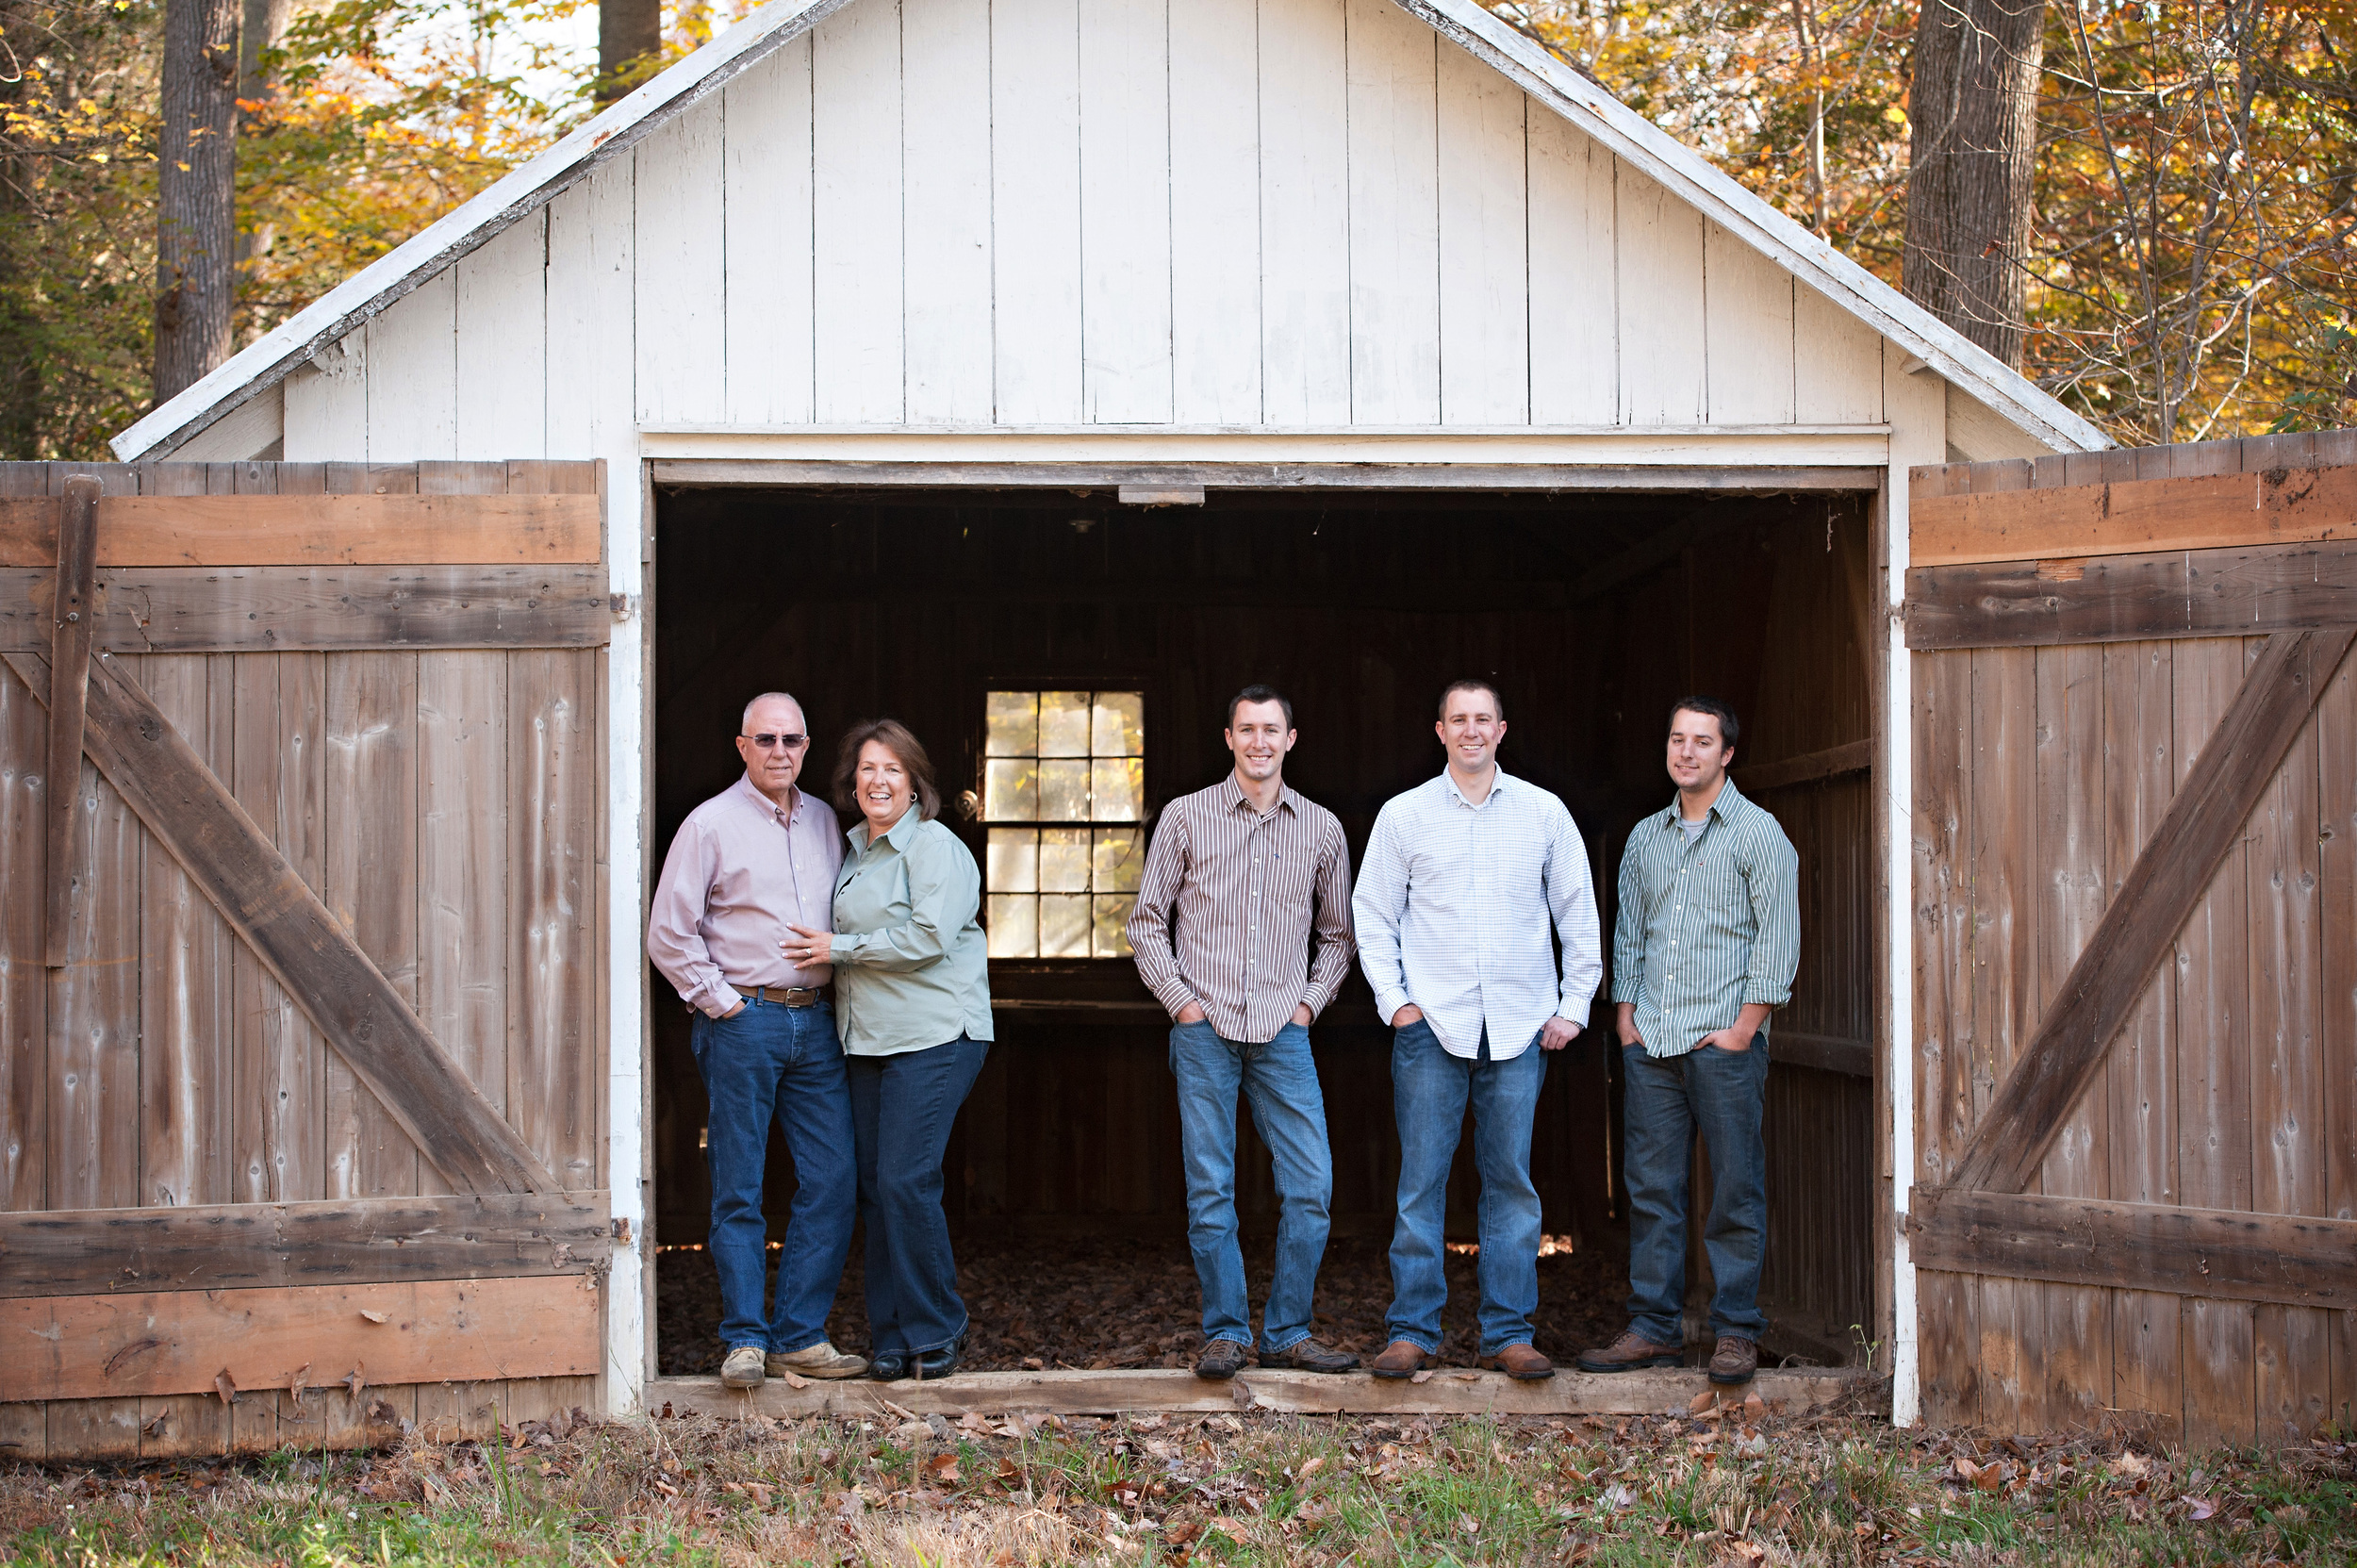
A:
[1069, 768]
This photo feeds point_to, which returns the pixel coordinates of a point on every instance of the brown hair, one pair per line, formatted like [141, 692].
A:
[893, 737]
[1471, 682]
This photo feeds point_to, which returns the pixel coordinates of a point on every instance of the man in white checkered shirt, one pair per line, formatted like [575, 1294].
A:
[1465, 878]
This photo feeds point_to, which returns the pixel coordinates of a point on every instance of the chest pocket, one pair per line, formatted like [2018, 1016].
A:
[1723, 886]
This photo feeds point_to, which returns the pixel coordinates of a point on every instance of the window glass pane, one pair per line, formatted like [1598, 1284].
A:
[1112, 915]
[1013, 860]
[1118, 724]
[1117, 786]
[1063, 925]
[1063, 791]
[1063, 860]
[1120, 859]
[1009, 791]
[1014, 724]
[1013, 925]
[1064, 723]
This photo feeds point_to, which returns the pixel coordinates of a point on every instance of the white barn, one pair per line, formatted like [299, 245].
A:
[1283, 252]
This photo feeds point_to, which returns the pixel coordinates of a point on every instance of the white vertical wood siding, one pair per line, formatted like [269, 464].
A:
[1273, 213]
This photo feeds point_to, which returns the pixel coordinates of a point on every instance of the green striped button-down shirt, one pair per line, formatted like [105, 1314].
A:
[1705, 927]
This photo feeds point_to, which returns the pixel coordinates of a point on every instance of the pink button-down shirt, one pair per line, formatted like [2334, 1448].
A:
[739, 872]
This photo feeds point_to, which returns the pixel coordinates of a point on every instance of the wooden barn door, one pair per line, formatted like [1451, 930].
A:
[2136, 940]
[300, 1049]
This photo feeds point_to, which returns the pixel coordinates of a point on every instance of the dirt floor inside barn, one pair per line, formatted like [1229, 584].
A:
[1097, 1304]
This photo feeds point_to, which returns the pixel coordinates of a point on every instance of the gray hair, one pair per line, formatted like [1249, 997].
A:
[747, 716]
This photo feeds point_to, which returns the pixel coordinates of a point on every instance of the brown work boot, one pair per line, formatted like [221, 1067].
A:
[1221, 1359]
[815, 1360]
[1307, 1354]
[1522, 1362]
[1734, 1361]
[1630, 1351]
[1402, 1358]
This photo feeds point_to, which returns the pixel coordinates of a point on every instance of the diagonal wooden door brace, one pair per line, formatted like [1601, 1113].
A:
[338, 988]
[2152, 904]
[75, 612]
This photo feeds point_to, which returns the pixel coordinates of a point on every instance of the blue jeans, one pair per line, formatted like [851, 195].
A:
[1721, 1094]
[1280, 1082]
[782, 1065]
[902, 1108]
[1429, 1091]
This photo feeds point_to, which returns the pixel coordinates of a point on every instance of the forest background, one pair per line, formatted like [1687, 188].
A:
[2187, 269]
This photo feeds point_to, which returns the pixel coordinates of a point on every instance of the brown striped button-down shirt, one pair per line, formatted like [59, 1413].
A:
[1230, 901]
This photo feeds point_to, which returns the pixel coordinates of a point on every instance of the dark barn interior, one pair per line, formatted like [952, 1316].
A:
[1592, 612]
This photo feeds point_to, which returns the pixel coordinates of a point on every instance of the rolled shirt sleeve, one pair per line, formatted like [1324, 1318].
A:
[675, 941]
[1149, 933]
[1333, 927]
[1376, 909]
[1572, 898]
[1775, 887]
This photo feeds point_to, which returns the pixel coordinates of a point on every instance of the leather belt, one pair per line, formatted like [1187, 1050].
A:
[787, 996]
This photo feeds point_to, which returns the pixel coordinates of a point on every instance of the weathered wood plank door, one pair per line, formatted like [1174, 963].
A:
[2136, 938]
[301, 1055]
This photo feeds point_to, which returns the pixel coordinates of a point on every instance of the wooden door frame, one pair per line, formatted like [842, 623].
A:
[1860, 460]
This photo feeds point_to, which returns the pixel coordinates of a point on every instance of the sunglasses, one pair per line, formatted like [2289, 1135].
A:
[792, 743]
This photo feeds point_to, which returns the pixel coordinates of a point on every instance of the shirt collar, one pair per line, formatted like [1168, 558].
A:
[764, 805]
[1232, 795]
[1449, 791]
[1722, 807]
[897, 835]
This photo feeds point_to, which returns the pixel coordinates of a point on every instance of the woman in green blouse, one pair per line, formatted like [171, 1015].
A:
[912, 1002]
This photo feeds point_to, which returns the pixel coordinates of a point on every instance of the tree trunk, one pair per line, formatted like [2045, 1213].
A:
[1974, 107]
[627, 30]
[196, 192]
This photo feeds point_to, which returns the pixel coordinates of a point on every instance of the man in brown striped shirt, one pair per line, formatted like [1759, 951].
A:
[1240, 878]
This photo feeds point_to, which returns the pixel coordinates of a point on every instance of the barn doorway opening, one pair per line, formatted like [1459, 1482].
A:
[1068, 658]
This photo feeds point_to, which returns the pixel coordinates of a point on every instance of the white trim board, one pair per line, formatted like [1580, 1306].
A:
[1552, 82]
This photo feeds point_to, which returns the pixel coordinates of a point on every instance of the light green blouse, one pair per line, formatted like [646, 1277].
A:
[911, 967]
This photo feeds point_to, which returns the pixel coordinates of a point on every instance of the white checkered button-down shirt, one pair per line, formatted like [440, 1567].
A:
[1706, 927]
[1452, 910]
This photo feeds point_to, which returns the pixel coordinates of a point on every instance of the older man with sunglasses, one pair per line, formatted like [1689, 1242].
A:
[757, 858]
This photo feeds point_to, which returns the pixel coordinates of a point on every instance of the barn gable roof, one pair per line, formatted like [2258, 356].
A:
[1587, 106]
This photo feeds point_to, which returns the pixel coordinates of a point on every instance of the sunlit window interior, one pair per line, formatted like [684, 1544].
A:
[1069, 767]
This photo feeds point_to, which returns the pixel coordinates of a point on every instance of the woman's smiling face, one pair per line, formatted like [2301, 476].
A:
[883, 786]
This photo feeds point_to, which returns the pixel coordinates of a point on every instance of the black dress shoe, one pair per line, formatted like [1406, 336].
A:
[941, 1363]
[889, 1367]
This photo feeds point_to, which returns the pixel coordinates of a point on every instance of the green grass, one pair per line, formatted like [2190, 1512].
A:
[1245, 1490]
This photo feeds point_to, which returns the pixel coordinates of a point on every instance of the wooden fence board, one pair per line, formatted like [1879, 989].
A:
[72, 1347]
[454, 528]
[373, 890]
[265, 609]
[24, 789]
[554, 785]
[2336, 904]
[2234, 1254]
[2195, 593]
[2181, 512]
[463, 831]
[73, 618]
[246, 1245]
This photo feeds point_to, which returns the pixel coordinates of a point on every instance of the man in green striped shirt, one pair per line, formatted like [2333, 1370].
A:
[1705, 946]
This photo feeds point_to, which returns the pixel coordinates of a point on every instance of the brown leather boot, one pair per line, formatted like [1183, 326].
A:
[1401, 1359]
[1734, 1360]
[1221, 1359]
[1630, 1351]
[1522, 1362]
[1309, 1355]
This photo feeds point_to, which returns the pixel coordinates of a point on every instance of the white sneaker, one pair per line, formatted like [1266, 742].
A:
[743, 1367]
[815, 1360]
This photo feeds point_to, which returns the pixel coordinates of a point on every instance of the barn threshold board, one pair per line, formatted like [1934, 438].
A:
[1450, 1391]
